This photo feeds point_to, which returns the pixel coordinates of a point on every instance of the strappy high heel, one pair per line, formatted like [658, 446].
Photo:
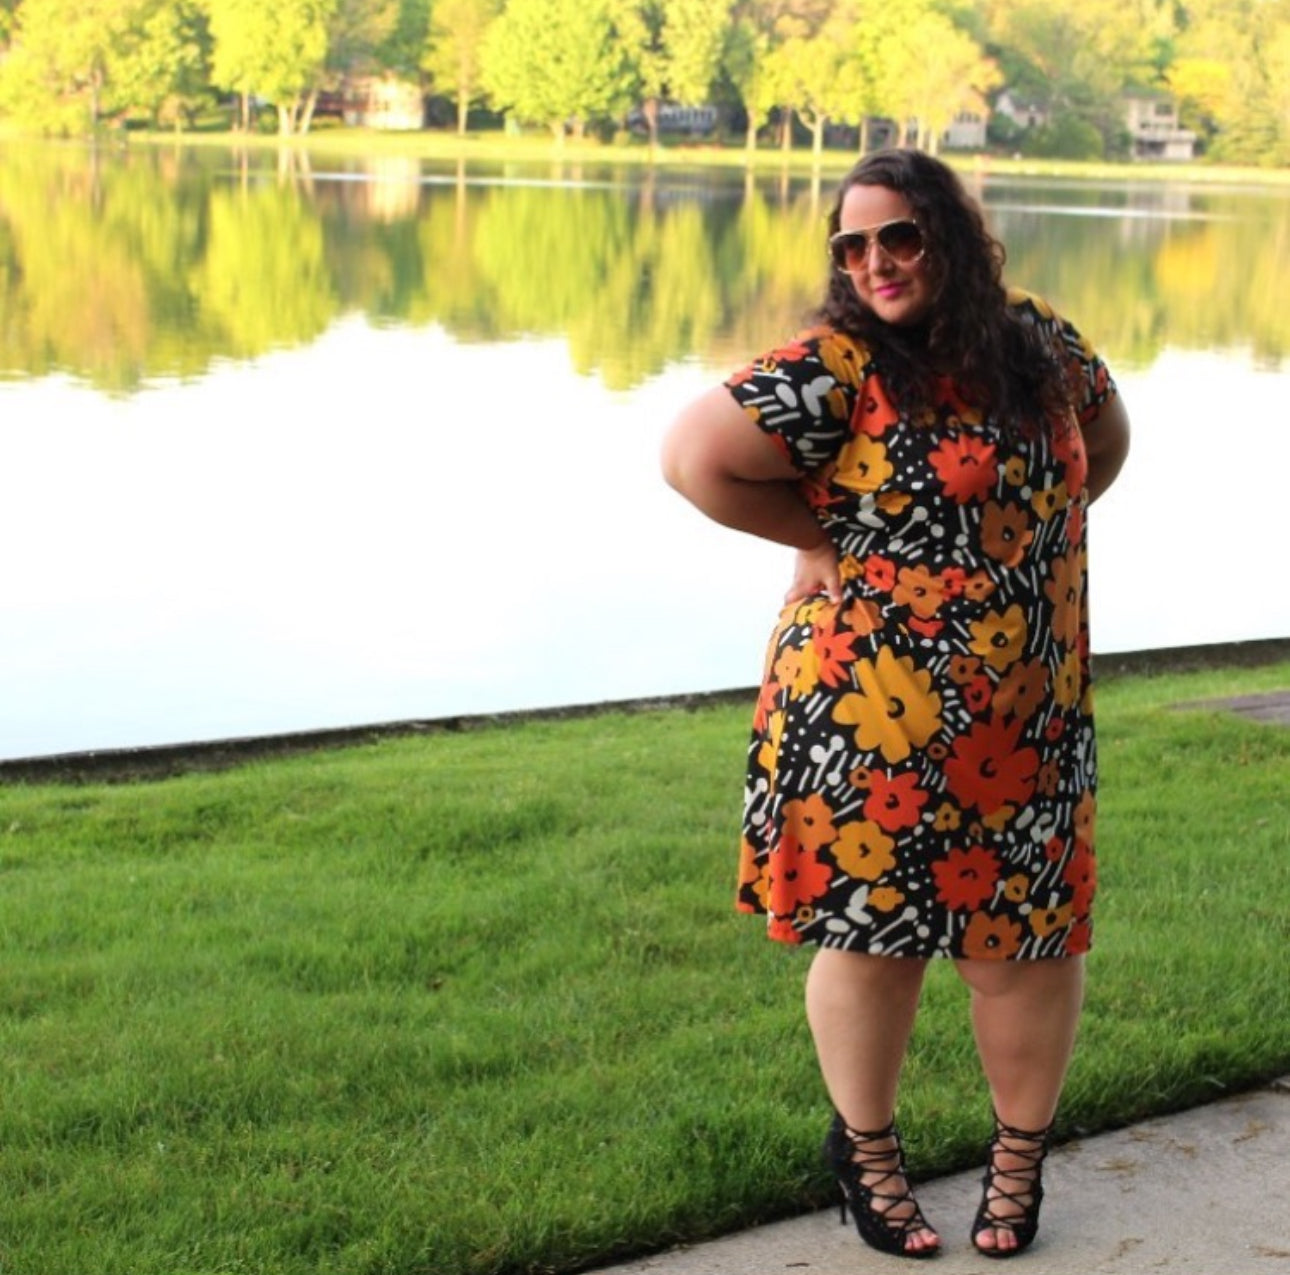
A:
[1021, 1188]
[865, 1164]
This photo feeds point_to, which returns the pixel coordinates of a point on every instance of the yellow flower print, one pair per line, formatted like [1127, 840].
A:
[895, 709]
[1014, 472]
[844, 359]
[1045, 920]
[849, 567]
[893, 502]
[885, 899]
[1085, 817]
[1015, 888]
[997, 820]
[768, 753]
[864, 851]
[1050, 501]
[1066, 685]
[807, 677]
[863, 465]
[1000, 639]
[947, 817]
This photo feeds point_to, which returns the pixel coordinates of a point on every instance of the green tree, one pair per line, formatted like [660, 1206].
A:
[932, 70]
[164, 64]
[556, 63]
[454, 50]
[57, 74]
[275, 52]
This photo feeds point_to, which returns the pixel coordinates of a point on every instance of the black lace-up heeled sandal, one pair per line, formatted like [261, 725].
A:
[1019, 1191]
[870, 1168]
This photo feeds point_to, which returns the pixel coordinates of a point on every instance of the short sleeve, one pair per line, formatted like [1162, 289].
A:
[803, 395]
[1089, 375]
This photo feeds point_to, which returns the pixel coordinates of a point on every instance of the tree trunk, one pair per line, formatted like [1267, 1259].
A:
[463, 108]
[649, 109]
[307, 115]
[750, 138]
[246, 112]
[864, 135]
[786, 130]
[817, 139]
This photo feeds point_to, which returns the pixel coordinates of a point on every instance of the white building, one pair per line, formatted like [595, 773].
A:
[1153, 126]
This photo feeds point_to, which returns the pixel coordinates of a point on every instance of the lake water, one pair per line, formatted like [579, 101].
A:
[288, 449]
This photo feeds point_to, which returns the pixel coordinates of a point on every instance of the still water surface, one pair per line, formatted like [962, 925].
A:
[290, 450]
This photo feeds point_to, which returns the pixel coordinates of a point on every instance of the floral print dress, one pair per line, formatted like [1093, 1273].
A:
[922, 769]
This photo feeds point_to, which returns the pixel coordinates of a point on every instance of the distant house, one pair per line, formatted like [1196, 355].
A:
[965, 133]
[1023, 112]
[375, 101]
[1152, 122]
[687, 121]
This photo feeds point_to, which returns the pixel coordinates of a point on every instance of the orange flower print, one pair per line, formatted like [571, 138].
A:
[880, 573]
[833, 652]
[1016, 888]
[862, 465]
[1005, 533]
[894, 801]
[1064, 590]
[876, 415]
[966, 879]
[1014, 472]
[893, 502]
[864, 851]
[977, 694]
[1075, 525]
[919, 590]
[966, 466]
[1080, 874]
[1000, 639]
[978, 586]
[1085, 817]
[863, 617]
[810, 822]
[797, 877]
[766, 699]
[991, 938]
[895, 709]
[963, 668]
[987, 770]
[1022, 690]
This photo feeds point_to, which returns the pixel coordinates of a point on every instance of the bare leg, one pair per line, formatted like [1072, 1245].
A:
[1025, 1015]
[861, 1011]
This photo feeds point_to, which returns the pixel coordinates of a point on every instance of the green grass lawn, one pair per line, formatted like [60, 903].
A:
[478, 1002]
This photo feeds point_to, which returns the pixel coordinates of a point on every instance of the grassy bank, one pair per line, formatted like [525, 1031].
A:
[538, 146]
[478, 1003]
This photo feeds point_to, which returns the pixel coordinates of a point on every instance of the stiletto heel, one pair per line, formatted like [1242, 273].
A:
[864, 1164]
[1021, 1188]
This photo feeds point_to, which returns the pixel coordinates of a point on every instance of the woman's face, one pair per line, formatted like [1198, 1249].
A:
[897, 291]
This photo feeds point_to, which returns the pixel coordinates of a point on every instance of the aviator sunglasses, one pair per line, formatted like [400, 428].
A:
[901, 240]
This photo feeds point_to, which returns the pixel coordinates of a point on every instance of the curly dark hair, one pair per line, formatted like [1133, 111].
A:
[998, 359]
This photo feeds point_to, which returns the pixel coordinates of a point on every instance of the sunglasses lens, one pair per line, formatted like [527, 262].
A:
[902, 241]
[850, 251]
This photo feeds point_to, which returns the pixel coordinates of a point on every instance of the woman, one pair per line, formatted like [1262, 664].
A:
[922, 771]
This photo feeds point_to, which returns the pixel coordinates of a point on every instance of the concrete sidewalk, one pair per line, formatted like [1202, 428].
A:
[1206, 1191]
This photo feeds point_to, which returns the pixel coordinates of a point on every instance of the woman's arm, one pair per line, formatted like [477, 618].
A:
[1106, 444]
[718, 459]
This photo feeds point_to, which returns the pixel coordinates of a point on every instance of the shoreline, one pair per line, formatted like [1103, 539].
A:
[163, 761]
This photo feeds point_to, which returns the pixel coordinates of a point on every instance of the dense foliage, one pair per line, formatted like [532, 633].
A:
[68, 66]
